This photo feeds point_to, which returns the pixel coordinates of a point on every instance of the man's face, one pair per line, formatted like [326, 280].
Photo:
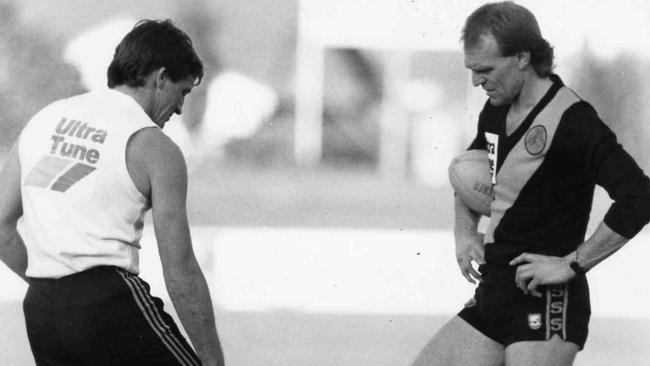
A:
[170, 98]
[500, 76]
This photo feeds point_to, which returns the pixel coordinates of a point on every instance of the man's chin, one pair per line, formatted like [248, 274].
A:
[496, 102]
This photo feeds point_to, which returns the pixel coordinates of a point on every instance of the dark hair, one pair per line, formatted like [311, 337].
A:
[150, 45]
[514, 28]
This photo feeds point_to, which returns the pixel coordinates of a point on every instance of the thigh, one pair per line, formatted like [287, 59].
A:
[562, 312]
[554, 352]
[109, 317]
[40, 322]
[458, 343]
[151, 336]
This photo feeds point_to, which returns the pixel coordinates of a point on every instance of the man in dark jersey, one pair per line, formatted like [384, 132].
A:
[549, 149]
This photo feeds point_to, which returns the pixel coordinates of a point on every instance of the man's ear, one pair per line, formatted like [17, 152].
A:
[160, 77]
[523, 59]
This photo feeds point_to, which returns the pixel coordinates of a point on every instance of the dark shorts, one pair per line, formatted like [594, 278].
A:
[103, 316]
[504, 313]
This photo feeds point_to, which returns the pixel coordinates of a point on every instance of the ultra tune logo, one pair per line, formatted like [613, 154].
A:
[71, 156]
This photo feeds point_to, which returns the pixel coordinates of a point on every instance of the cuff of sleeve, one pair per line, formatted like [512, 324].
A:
[622, 223]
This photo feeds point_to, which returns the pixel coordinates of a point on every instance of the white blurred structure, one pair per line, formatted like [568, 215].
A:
[608, 27]
[236, 104]
[92, 51]
[387, 25]
[435, 135]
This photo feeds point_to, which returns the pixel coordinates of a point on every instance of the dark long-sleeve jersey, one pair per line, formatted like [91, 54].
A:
[545, 172]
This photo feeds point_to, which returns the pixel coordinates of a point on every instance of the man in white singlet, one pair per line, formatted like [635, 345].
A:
[76, 187]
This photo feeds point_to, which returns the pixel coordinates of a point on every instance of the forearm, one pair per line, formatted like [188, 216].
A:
[13, 252]
[466, 221]
[12, 248]
[190, 295]
[602, 243]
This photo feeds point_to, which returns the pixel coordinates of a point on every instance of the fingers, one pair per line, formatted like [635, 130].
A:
[523, 276]
[532, 287]
[527, 281]
[463, 264]
[474, 273]
[478, 255]
[468, 271]
[524, 258]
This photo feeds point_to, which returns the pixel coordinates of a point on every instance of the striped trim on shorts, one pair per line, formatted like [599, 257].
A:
[557, 299]
[153, 315]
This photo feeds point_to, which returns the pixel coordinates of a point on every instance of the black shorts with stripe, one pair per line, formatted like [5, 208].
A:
[102, 316]
[504, 313]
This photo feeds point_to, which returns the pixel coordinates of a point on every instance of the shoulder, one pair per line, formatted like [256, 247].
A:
[51, 113]
[491, 115]
[583, 117]
[153, 159]
[58, 107]
[580, 125]
[151, 156]
[151, 144]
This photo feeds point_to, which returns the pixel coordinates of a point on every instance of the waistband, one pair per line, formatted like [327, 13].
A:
[498, 253]
[79, 276]
[91, 286]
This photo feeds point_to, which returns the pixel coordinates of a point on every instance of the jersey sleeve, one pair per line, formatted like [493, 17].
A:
[612, 168]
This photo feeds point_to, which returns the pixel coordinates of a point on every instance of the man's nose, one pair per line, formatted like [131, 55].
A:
[477, 79]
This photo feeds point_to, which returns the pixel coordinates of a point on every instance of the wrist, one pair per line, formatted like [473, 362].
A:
[577, 268]
[575, 265]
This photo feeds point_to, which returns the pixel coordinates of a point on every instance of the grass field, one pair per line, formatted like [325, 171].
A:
[331, 267]
[305, 339]
[294, 197]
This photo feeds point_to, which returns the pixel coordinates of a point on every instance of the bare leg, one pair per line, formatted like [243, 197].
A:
[458, 343]
[554, 352]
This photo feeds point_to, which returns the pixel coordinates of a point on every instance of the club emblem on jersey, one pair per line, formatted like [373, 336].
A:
[535, 140]
[535, 321]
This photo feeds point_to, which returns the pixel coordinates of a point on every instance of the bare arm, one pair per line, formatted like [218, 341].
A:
[469, 242]
[537, 269]
[188, 290]
[12, 248]
[602, 243]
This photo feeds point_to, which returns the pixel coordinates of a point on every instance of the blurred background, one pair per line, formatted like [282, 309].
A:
[317, 148]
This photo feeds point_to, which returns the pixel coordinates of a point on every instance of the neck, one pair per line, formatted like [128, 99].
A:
[534, 88]
[140, 94]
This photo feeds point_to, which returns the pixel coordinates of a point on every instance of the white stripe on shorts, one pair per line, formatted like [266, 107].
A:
[155, 320]
[564, 310]
[548, 313]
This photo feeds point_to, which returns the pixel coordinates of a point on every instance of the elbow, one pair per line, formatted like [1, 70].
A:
[180, 274]
[628, 216]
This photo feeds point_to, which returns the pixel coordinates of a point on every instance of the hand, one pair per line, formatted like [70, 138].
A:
[535, 269]
[470, 250]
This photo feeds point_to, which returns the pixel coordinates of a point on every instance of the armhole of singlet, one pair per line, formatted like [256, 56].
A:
[127, 180]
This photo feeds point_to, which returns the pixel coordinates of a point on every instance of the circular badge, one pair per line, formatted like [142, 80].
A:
[535, 140]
